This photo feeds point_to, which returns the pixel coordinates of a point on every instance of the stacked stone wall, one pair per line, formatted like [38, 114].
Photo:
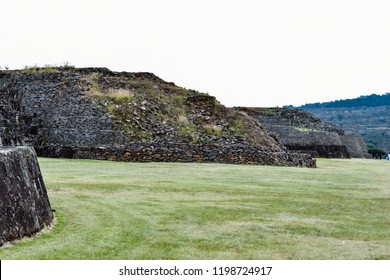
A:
[24, 204]
[239, 153]
[61, 113]
[356, 146]
[59, 118]
[317, 143]
[300, 131]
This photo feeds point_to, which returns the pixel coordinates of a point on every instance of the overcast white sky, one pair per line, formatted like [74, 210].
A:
[244, 52]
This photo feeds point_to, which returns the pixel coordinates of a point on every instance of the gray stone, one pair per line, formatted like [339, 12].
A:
[300, 131]
[61, 119]
[24, 204]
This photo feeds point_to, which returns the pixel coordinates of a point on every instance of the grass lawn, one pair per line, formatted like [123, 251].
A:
[115, 210]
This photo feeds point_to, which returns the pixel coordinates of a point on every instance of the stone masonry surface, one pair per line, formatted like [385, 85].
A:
[99, 114]
[301, 131]
[24, 204]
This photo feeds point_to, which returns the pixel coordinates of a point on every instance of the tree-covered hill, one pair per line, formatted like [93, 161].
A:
[373, 100]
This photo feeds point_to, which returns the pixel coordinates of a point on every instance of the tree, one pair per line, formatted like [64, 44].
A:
[375, 152]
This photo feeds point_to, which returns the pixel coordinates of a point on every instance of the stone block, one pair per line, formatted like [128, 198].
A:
[24, 205]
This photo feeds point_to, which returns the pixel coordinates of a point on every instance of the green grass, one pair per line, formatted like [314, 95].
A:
[113, 210]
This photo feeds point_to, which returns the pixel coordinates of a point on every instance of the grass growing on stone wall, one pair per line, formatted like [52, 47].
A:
[213, 130]
[148, 109]
[39, 70]
[140, 105]
[184, 127]
[112, 210]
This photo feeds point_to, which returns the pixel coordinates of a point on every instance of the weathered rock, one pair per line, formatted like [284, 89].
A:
[24, 204]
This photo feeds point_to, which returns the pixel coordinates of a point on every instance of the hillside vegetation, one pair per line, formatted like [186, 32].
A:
[368, 116]
[373, 100]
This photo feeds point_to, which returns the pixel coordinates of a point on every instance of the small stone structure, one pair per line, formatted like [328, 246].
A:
[24, 204]
[301, 131]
